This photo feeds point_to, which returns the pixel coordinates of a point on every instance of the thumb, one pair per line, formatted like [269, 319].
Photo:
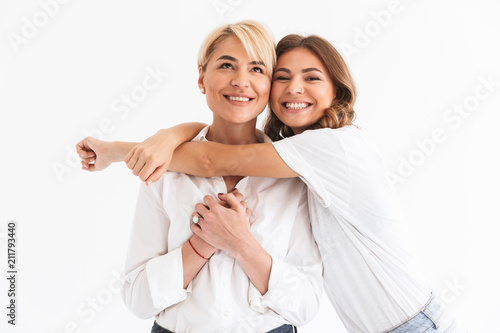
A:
[156, 174]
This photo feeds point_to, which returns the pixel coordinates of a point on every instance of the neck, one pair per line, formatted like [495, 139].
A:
[232, 134]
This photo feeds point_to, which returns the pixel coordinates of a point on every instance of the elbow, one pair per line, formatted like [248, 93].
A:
[306, 305]
[135, 303]
[304, 315]
[207, 165]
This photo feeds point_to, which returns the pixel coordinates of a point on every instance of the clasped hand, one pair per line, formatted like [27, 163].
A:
[224, 225]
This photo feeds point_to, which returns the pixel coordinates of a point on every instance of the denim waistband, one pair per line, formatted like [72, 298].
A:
[432, 317]
[282, 329]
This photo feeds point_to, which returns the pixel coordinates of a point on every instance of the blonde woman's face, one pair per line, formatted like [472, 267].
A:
[236, 86]
[302, 89]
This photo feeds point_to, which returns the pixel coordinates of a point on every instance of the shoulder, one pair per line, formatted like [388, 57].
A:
[343, 133]
[322, 134]
[325, 140]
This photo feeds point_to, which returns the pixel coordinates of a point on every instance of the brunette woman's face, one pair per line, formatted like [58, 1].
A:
[302, 89]
[237, 87]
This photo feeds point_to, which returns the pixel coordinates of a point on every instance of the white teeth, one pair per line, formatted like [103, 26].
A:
[238, 99]
[296, 106]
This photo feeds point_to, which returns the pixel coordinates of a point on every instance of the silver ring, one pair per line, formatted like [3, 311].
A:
[195, 219]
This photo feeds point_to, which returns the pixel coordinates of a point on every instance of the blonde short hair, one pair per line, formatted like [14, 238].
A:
[256, 38]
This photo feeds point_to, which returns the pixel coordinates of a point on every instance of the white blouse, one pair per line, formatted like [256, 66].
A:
[221, 298]
[371, 274]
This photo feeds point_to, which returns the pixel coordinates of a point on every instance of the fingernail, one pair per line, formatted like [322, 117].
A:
[220, 193]
[148, 182]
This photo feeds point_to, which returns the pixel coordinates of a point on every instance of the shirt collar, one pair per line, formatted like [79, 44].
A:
[261, 136]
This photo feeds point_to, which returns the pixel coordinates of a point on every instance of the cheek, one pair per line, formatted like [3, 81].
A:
[326, 97]
[263, 89]
[275, 94]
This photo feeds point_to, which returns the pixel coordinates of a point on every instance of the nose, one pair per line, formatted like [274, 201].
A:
[240, 79]
[295, 87]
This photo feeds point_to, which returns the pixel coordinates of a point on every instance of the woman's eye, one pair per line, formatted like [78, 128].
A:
[281, 78]
[258, 70]
[226, 65]
[312, 78]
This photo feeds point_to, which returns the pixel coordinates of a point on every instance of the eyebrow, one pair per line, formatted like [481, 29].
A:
[305, 70]
[226, 57]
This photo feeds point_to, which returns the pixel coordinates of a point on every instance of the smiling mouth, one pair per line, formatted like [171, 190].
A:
[296, 106]
[238, 99]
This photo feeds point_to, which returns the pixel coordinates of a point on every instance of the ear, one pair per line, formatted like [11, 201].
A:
[201, 77]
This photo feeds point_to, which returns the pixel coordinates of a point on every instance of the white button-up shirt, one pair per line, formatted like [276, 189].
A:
[221, 298]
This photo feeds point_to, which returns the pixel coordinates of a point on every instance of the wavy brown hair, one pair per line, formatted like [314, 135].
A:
[341, 112]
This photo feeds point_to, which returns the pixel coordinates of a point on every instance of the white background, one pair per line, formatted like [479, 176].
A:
[66, 77]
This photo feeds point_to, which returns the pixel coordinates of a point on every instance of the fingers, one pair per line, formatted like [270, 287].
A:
[248, 212]
[88, 166]
[131, 158]
[83, 148]
[238, 195]
[244, 204]
[210, 202]
[88, 156]
[196, 217]
[88, 159]
[234, 202]
[149, 169]
[201, 209]
[196, 229]
[156, 174]
[129, 155]
[138, 167]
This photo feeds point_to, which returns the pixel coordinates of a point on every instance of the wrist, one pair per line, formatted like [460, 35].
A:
[119, 149]
[202, 248]
[245, 248]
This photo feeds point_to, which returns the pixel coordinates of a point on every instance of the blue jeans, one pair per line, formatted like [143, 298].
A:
[432, 318]
[282, 329]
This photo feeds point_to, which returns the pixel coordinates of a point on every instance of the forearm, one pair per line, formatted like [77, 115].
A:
[192, 262]
[183, 132]
[294, 291]
[256, 263]
[119, 149]
[211, 159]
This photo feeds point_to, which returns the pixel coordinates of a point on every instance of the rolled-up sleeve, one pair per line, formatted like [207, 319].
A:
[296, 281]
[153, 277]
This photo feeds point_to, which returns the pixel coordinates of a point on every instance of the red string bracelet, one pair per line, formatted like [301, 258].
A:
[189, 241]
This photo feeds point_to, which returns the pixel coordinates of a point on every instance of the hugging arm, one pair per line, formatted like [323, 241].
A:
[210, 159]
[170, 149]
[97, 154]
